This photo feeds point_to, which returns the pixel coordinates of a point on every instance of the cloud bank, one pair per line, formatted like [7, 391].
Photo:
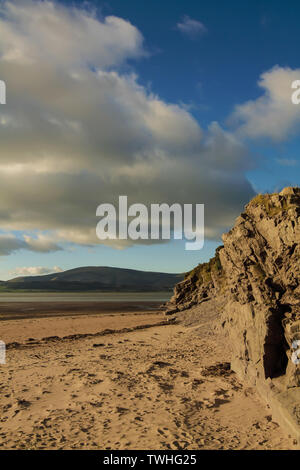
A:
[34, 271]
[78, 131]
[9, 243]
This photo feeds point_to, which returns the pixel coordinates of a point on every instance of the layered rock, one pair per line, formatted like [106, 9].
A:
[203, 283]
[258, 271]
[261, 261]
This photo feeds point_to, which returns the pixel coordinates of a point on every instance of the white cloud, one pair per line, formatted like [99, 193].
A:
[34, 271]
[272, 115]
[9, 243]
[32, 29]
[77, 131]
[191, 27]
[41, 243]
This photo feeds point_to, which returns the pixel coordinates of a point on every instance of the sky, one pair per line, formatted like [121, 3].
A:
[173, 101]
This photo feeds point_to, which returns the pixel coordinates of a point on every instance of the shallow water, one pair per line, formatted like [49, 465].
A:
[85, 297]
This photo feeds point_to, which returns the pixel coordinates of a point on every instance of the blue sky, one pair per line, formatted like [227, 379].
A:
[218, 69]
[205, 59]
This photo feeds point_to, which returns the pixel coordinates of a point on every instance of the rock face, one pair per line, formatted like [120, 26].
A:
[261, 259]
[258, 272]
[201, 284]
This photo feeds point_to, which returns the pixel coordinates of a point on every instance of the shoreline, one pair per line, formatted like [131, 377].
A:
[37, 328]
[33, 310]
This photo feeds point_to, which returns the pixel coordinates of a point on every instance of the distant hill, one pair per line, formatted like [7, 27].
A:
[92, 278]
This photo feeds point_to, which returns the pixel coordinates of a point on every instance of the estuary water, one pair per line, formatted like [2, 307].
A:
[85, 297]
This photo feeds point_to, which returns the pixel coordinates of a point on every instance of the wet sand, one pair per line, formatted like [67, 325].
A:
[26, 310]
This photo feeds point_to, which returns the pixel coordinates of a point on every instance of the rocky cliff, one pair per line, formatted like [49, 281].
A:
[203, 283]
[257, 273]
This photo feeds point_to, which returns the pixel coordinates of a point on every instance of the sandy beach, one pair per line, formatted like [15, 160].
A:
[85, 386]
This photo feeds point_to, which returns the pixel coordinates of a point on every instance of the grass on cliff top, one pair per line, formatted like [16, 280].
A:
[203, 271]
[265, 201]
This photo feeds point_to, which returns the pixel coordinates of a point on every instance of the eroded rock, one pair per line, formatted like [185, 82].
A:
[261, 263]
[257, 272]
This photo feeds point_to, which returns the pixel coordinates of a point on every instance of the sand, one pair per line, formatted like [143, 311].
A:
[26, 310]
[36, 329]
[163, 387]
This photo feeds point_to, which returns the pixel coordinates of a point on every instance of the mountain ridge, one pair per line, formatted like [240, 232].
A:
[91, 278]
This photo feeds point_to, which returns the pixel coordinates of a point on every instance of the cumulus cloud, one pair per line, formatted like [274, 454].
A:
[9, 243]
[30, 28]
[190, 27]
[41, 243]
[34, 271]
[272, 115]
[77, 131]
